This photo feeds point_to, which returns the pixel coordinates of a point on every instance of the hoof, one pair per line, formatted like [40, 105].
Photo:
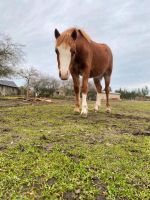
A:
[77, 110]
[84, 112]
[96, 107]
[108, 110]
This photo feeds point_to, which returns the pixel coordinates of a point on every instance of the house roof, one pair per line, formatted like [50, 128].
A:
[8, 83]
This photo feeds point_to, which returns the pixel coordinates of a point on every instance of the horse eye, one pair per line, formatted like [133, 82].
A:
[72, 52]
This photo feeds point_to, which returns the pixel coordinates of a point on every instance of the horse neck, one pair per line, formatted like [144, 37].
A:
[81, 43]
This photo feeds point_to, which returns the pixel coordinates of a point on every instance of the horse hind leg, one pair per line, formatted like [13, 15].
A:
[98, 95]
[107, 83]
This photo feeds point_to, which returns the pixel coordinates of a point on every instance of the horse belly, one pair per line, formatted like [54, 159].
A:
[101, 64]
[96, 72]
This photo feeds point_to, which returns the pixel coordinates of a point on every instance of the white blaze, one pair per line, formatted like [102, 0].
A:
[64, 58]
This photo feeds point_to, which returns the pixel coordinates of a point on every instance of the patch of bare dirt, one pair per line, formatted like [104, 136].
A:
[21, 148]
[12, 102]
[2, 147]
[68, 195]
[5, 130]
[76, 158]
[43, 137]
[22, 102]
[124, 116]
[51, 181]
[101, 187]
[140, 132]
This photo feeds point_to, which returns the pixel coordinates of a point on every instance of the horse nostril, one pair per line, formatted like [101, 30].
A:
[60, 74]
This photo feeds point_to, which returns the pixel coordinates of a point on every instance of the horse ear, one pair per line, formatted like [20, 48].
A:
[74, 35]
[57, 34]
[80, 32]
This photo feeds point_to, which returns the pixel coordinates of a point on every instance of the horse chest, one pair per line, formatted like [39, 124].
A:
[81, 72]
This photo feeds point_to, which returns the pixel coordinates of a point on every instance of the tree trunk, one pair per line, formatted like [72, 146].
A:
[27, 94]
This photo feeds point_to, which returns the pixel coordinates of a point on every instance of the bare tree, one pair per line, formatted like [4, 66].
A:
[145, 91]
[10, 55]
[45, 85]
[68, 87]
[39, 83]
[29, 74]
[53, 84]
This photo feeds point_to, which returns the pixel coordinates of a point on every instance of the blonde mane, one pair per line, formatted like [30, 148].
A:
[65, 36]
[85, 35]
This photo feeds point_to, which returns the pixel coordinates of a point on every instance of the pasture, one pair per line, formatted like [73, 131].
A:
[48, 152]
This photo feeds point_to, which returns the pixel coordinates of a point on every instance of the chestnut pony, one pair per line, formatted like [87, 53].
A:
[78, 55]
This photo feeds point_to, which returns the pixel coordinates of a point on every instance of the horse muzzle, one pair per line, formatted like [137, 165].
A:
[64, 76]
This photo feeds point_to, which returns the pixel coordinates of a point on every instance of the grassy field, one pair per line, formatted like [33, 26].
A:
[48, 152]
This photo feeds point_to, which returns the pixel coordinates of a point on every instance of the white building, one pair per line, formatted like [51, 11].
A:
[112, 96]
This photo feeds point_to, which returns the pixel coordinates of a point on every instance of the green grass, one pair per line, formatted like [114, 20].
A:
[48, 152]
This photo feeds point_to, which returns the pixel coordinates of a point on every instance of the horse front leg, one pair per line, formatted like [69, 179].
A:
[84, 110]
[76, 82]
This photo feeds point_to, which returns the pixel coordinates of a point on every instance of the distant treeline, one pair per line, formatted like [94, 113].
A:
[133, 94]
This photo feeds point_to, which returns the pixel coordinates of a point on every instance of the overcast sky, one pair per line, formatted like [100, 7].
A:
[123, 25]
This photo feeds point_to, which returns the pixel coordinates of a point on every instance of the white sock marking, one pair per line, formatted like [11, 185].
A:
[84, 104]
[98, 101]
